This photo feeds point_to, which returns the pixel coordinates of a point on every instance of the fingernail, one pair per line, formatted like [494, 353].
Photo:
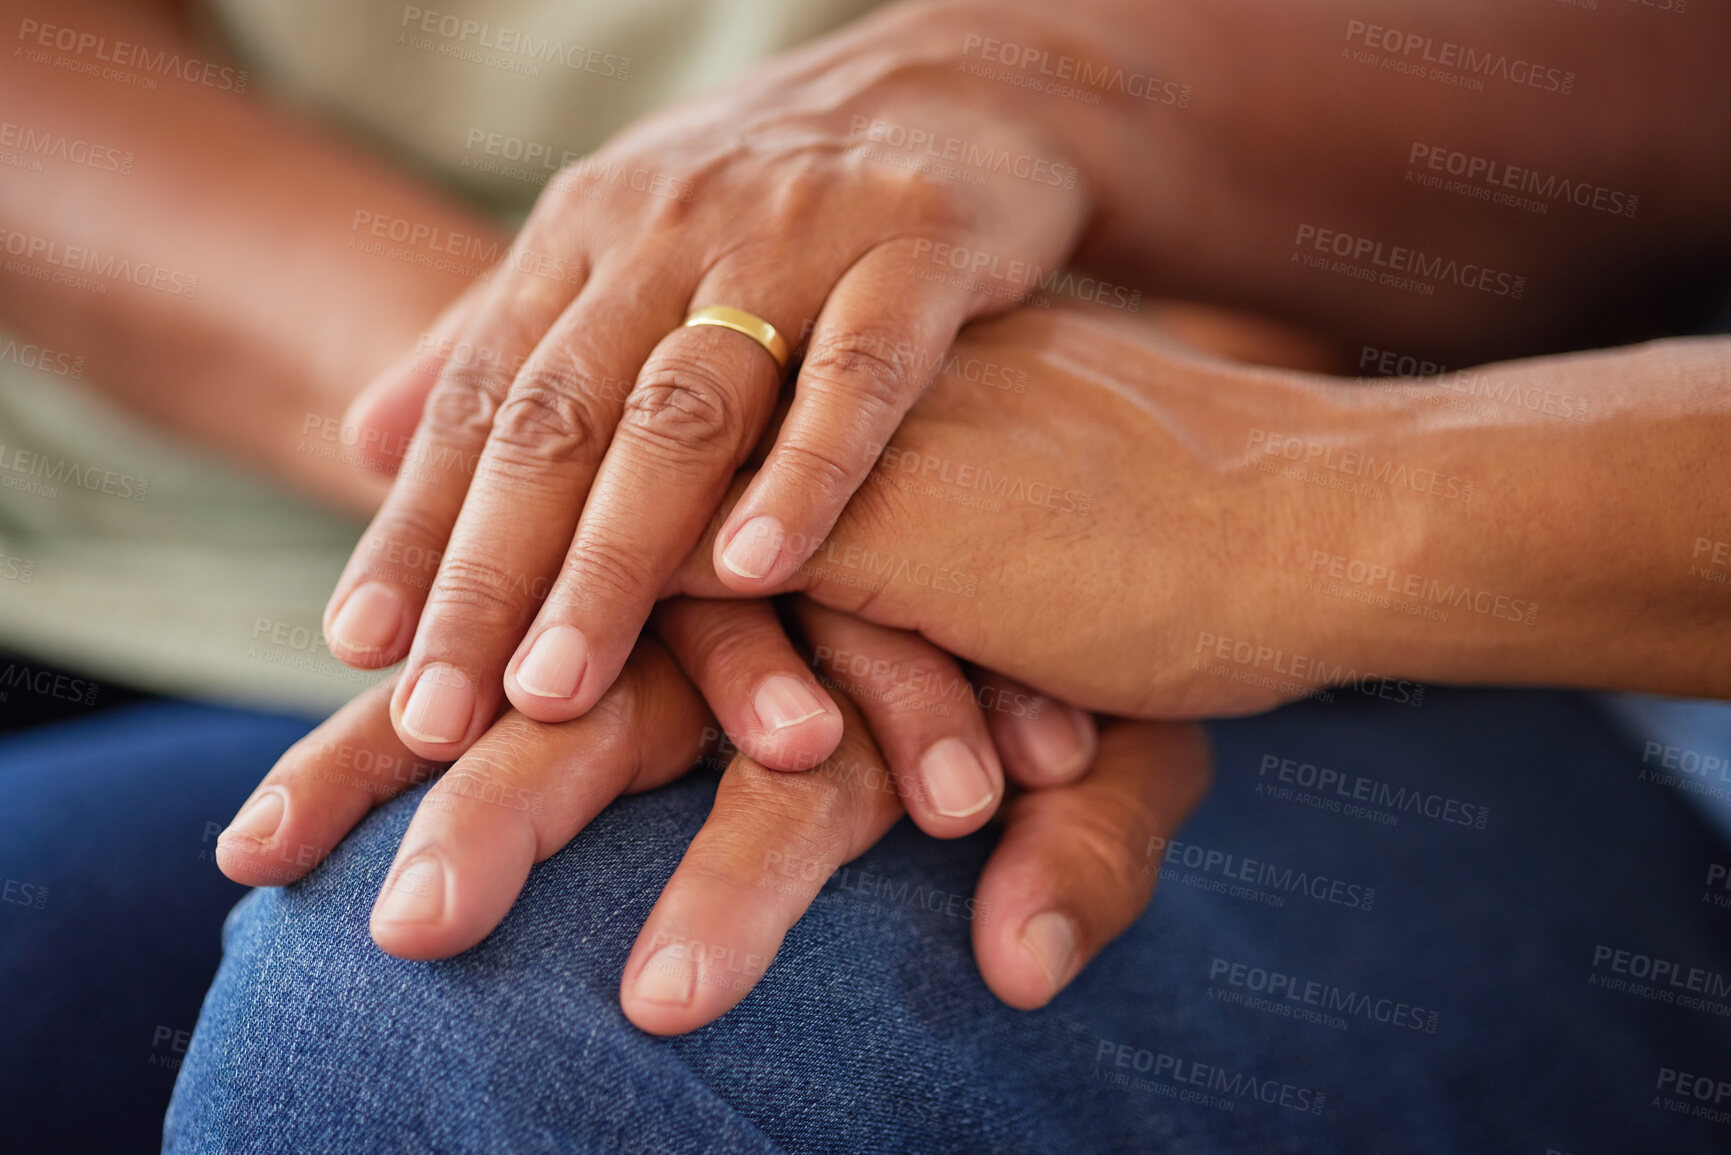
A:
[1053, 739]
[370, 619]
[1050, 938]
[415, 894]
[754, 549]
[257, 821]
[666, 978]
[554, 664]
[955, 780]
[441, 706]
[784, 701]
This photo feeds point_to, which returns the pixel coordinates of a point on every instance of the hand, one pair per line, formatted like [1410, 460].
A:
[577, 444]
[1096, 530]
[512, 801]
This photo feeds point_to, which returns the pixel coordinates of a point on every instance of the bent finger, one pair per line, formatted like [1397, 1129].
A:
[1077, 863]
[1043, 742]
[922, 713]
[768, 702]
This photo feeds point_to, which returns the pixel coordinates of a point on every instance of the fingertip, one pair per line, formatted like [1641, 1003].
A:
[409, 916]
[959, 788]
[1049, 746]
[253, 867]
[434, 711]
[757, 554]
[369, 627]
[551, 677]
[799, 723]
[243, 849]
[1026, 963]
[658, 995]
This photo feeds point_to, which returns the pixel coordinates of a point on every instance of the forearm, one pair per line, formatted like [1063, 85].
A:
[1226, 141]
[1561, 521]
[210, 270]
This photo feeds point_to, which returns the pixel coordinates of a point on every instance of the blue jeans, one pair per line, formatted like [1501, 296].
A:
[111, 911]
[1466, 926]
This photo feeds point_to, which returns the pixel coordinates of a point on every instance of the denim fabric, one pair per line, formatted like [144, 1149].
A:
[111, 911]
[1466, 965]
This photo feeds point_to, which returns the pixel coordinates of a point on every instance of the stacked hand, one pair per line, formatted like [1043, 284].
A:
[1069, 571]
[575, 437]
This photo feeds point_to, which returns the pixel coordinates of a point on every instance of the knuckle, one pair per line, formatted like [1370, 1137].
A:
[486, 594]
[462, 405]
[924, 687]
[405, 545]
[681, 405]
[808, 812]
[816, 469]
[611, 572]
[874, 370]
[542, 423]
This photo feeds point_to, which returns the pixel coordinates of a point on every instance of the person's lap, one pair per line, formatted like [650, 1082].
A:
[112, 905]
[1450, 1010]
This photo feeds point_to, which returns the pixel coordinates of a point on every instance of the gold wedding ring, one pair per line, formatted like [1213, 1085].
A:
[740, 321]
